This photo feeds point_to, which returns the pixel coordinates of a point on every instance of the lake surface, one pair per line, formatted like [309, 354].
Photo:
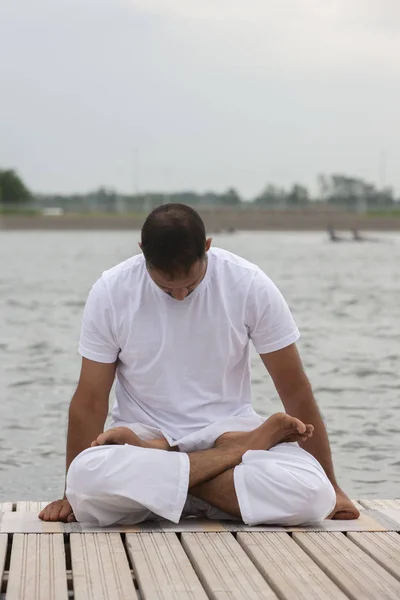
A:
[345, 298]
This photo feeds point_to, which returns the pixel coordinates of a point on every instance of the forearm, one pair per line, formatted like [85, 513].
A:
[86, 421]
[301, 404]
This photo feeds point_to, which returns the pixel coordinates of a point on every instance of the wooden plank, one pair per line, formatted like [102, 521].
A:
[24, 506]
[100, 568]
[358, 504]
[3, 554]
[37, 569]
[377, 504]
[356, 573]
[161, 567]
[4, 507]
[224, 568]
[388, 508]
[384, 548]
[287, 568]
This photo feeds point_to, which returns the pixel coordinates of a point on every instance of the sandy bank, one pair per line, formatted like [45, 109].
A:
[218, 220]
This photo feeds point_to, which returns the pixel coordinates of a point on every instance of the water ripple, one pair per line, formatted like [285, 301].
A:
[350, 326]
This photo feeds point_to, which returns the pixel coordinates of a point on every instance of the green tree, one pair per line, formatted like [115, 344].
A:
[298, 195]
[353, 192]
[385, 197]
[271, 196]
[231, 197]
[12, 188]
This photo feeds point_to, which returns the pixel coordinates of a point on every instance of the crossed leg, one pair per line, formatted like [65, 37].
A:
[220, 492]
[285, 485]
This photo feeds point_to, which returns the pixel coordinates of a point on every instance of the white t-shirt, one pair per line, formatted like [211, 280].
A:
[183, 365]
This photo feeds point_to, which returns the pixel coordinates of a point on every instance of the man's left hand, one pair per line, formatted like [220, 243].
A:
[344, 509]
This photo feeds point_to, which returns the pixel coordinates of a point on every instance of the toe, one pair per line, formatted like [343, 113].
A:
[299, 425]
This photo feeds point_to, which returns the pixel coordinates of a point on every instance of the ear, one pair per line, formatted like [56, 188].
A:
[208, 244]
[140, 245]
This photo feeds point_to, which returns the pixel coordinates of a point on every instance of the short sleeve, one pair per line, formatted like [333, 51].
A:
[97, 341]
[269, 321]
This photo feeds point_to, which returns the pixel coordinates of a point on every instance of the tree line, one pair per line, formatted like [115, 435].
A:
[12, 188]
[338, 190]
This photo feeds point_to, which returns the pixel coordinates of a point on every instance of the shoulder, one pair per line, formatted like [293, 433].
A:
[234, 266]
[231, 263]
[124, 276]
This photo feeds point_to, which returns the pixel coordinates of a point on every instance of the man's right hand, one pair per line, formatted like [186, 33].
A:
[59, 510]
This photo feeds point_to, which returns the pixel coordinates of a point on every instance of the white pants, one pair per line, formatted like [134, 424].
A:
[111, 485]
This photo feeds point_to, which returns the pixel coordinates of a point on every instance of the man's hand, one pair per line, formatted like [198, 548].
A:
[344, 509]
[59, 510]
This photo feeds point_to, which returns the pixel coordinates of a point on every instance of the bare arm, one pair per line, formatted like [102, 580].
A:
[295, 391]
[87, 415]
[89, 406]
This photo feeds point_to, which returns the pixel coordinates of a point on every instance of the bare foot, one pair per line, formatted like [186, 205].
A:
[124, 435]
[277, 429]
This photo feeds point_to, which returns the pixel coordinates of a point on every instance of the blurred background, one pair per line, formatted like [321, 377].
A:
[278, 121]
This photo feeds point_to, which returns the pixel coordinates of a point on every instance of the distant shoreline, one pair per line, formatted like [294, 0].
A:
[215, 220]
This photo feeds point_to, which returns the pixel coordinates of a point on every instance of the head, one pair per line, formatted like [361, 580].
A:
[175, 248]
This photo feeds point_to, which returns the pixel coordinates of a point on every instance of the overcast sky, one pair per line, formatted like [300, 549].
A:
[198, 94]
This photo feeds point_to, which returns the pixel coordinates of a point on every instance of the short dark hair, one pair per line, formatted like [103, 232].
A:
[173, 238]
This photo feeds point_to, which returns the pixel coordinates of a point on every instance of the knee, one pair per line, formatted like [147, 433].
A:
[309, 501]
[84, 474]
[88, 486]
[315, 501]
[312, 496]
[286, 492]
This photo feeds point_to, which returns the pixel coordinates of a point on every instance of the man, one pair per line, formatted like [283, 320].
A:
[174, 324]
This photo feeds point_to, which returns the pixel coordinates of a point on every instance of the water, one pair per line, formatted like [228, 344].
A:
[345, 298]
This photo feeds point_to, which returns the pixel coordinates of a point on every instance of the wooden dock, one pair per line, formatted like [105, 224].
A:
[197, 560]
